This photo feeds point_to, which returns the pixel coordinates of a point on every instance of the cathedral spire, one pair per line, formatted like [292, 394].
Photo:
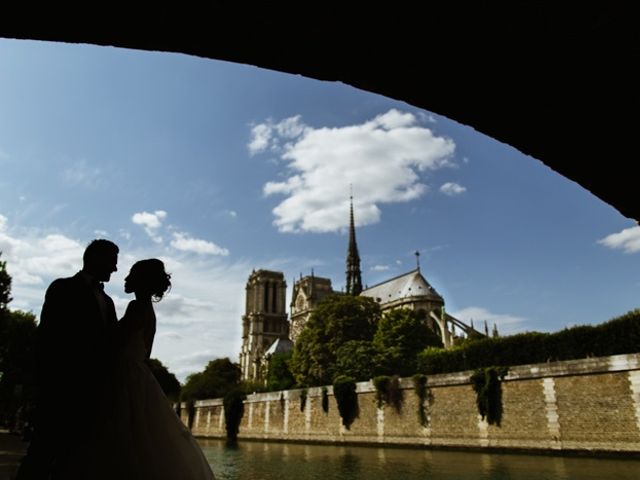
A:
[354, 279]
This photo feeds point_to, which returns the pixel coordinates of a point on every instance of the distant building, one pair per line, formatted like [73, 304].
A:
[412, 291]
[267, 331]
[307, 292]
[265, 320]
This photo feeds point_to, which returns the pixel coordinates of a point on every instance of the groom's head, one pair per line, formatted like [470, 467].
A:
[100, 259]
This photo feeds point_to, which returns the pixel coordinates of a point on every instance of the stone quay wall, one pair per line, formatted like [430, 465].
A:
[585, 406]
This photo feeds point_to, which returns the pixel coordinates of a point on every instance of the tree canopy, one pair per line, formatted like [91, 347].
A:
[5, 286]
[279, 376]
[167, 380]
[348, 335]
[400, 337]
[336, 320]
[17, 342]
[358, 359]
[218, 377]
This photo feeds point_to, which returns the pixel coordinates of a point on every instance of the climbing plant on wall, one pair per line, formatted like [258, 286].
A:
[422, 392]
[344, 389]
[325, 400]
[303, 399]
[233, 412]
[381, 383]
[388, 391]
[191, 413]
[486, 383]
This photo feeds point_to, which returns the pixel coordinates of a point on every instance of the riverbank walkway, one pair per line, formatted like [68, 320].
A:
[12, 449]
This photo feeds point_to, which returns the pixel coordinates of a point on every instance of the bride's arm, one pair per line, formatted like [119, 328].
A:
[128, 323]
[138, 316]
[149, 333]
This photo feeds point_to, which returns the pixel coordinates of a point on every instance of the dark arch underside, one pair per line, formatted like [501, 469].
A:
[557, 82]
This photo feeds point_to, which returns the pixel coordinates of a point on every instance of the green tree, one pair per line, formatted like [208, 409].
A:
[336, 320]
[358, 359]
[219, 376]
[400, 336]
[167, 380]
[279, 376]
[5, 286]
[17, 342]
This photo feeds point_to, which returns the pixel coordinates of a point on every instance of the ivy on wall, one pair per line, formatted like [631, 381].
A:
[381, 383]
[191, 413]
[325, 400]
[388, 391]
[233, 412]
[344, 389]
[487, 384]
[303, 399]
[424, 395]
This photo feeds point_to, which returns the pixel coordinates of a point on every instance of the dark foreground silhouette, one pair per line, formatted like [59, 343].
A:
[128, 427]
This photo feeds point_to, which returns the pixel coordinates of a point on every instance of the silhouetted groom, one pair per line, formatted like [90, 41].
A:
[74, 355]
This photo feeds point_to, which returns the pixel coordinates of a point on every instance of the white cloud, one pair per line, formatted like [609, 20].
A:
[627, 240]
[260, 136]
[274, 136]
[232, 213]
[451, 189]
[507, 324]
[151, 222]
[380, 268]
[427, 117]
[382, 158]
[291, 127]
[83, 174]
[33, 257]
[182, 310]
[101, 233]
[181, 241]
[171, 335]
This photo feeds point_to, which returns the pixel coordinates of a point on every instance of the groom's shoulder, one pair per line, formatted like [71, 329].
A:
[64, 284]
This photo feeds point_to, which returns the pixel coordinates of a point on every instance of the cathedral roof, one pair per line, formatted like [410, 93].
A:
[411, 284]
[281, 345]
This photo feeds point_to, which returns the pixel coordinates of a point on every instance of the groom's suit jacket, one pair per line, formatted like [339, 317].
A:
[74, 356]
[75, 344]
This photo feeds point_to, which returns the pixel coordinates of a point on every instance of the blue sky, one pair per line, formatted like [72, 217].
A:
[219, 168]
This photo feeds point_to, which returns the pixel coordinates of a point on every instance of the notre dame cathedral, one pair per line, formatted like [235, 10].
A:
[267, 329]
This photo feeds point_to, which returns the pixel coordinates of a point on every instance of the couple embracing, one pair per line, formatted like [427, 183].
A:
[101, 414]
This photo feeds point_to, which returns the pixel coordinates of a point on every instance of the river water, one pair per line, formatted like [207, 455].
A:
[281, 461]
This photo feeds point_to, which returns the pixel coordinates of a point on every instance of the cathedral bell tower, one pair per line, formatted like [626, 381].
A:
[264, 321]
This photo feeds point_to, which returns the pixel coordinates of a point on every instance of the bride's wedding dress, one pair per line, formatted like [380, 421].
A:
[140, 436]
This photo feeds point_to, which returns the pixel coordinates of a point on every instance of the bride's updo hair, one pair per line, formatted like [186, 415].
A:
[151, 277]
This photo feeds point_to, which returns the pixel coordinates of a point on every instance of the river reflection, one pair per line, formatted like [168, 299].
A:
[280, 461]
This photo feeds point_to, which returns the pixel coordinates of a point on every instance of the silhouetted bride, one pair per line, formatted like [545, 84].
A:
[141, 437]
